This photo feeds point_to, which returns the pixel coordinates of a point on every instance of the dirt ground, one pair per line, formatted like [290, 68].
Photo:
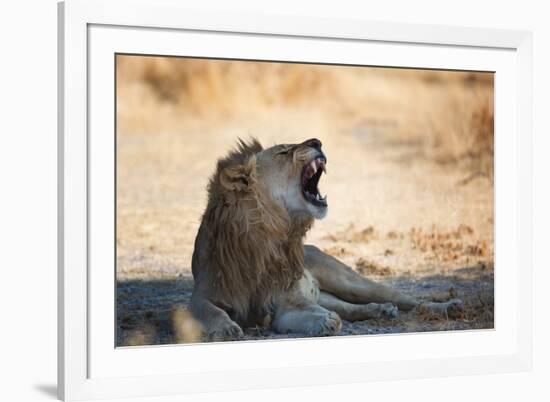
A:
[399, 213]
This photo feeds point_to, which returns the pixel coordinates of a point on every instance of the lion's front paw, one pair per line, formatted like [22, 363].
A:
[227, 332]
[326, 325]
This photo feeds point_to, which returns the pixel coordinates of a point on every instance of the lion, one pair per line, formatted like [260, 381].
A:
[250, 264]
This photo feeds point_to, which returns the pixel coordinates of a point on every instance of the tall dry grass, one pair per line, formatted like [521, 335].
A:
[450, 114]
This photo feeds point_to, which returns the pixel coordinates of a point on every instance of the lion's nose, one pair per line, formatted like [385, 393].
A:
[314, 143]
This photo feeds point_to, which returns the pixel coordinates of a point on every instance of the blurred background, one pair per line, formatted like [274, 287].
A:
[409, 184]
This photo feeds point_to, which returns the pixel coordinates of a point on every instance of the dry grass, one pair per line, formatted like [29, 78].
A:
[449, 245]
[353, 235]
[371, 268]
[450, 114]
[186, 328]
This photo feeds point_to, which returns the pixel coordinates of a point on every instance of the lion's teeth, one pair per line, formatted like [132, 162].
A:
[318, 197]
[321, 164]
[313, 166]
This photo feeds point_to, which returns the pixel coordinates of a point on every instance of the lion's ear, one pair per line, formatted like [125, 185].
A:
[239, 177]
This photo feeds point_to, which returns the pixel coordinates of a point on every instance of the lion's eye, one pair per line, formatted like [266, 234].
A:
[284, 151]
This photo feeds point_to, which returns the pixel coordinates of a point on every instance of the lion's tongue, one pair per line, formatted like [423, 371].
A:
[311, 169]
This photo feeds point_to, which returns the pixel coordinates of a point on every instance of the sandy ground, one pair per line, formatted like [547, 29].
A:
[394, 215]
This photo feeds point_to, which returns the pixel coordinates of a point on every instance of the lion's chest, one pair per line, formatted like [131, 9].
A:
[309, 287]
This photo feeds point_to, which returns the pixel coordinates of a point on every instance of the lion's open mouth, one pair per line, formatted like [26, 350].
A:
[311, 174]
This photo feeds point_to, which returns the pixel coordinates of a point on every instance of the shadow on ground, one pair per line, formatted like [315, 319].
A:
[145, 308]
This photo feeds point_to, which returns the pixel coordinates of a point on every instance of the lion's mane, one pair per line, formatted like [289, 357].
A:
[251, 248]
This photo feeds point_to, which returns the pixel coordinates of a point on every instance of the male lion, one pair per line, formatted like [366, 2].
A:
[250, 264]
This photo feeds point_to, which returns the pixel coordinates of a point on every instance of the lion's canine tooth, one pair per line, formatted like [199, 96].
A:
[321, 164]
[314, 166]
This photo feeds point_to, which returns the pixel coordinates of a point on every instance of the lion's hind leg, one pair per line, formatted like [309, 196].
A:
[338, 279]
[357, 312]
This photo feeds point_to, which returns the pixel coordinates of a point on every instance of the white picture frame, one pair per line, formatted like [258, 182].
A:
[91, 32]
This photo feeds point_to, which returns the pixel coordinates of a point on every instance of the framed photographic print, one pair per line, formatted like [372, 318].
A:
[247, 198]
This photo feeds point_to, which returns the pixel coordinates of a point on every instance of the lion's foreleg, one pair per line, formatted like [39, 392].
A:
[299, 313]
[311, 321]
[216, 323]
